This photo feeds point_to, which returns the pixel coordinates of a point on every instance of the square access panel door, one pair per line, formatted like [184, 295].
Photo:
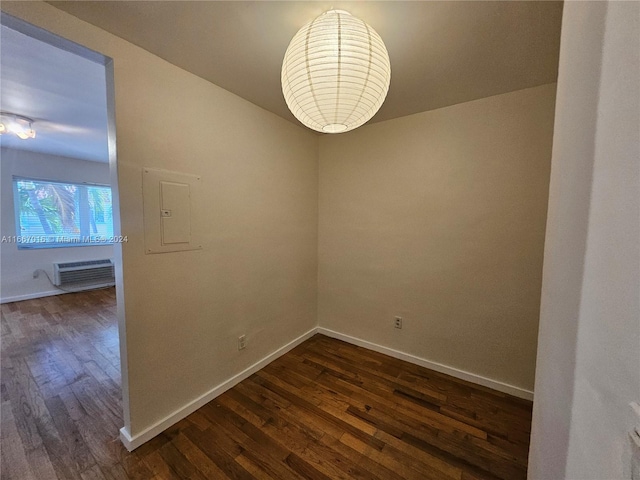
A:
[168, 210]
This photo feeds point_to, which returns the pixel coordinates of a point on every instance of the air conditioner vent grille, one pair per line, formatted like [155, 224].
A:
[84, 275]
[84, 263]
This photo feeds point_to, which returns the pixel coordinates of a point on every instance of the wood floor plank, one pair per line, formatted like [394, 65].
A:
[68, 431]
[193, 454]
[325, 410]
[319, 434]
[388, 460]
[220, 450]
[179, 463]
[313, 409]
[396, 408]
[93, 473]
[14, 458]
[156, 464]
[367, 393]
[262, 458]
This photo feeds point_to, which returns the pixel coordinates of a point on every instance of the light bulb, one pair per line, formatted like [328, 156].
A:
[16, 124]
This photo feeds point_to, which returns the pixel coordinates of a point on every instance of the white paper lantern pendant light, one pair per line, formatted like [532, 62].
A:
[335, 73]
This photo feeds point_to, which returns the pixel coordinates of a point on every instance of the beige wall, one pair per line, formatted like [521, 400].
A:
[257, 271]
[439, 217]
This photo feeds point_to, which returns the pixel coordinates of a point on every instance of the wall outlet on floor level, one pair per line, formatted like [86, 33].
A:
[36, 274]
[242, 342]
[398, 322]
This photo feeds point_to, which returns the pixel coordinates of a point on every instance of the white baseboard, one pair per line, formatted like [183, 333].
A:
[133, 442]
[438, 367]
[30, 296]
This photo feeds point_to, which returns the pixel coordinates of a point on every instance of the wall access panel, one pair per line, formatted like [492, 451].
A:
[168, 211]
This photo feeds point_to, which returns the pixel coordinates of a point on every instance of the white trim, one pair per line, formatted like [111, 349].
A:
[127, 440]
[31, 296]
[133, 442]
[438, 367]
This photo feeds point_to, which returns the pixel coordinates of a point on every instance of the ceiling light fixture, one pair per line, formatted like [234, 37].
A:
[17, 124]
[335, 73]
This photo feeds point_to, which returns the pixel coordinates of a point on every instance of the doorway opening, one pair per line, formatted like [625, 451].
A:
[64, 370]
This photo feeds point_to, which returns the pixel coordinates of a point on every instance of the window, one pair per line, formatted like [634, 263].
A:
[55, 214]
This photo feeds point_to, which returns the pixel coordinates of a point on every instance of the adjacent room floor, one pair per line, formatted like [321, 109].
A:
[325, 410]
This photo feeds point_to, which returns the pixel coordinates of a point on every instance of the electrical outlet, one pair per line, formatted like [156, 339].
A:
[242, 342]
[398, 322]
[36, 274]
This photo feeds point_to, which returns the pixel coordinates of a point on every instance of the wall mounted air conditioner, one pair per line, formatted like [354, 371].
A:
[84, 275]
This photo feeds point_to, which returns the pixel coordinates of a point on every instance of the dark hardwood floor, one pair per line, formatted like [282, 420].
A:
[325, 410]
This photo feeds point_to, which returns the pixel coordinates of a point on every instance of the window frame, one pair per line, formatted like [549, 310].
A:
[40, 245]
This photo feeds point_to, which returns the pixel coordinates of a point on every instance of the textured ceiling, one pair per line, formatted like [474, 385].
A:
[442, 53]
